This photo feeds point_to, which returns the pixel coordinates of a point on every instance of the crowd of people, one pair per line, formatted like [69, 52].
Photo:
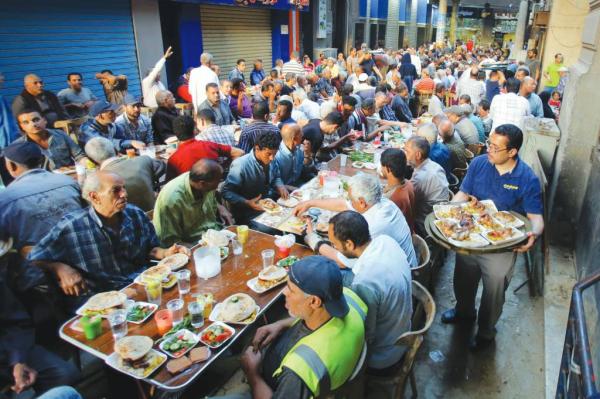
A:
[262, 135]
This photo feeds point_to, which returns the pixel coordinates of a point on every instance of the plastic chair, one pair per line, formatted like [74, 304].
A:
[422, 318]
[453, 183]
[184, 108]
[476, 149]
[460, 172]
[422, 272]
[423, 98]
[469, 155]
[71, 126]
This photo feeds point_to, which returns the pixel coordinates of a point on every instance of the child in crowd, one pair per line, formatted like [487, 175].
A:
[554, 103]
[483, 110]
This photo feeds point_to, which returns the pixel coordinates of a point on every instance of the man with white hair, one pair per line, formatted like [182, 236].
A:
[463, 125]
[34, 97]
[151, 84]
[102, 247]
[200, 77]
[303, 104]
[384, 217]
[527, 90]
[140, 174]
[469, 84]
[162, 119]
[438, 152]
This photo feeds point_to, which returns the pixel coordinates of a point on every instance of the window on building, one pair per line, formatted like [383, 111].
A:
[373, 36]
[381, 36]
[401, 37]
[359, 34]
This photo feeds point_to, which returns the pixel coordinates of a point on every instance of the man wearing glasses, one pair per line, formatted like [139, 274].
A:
[501, 176]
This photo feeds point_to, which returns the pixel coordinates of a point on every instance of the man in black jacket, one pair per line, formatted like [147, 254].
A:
[162, 120]
[36, 98]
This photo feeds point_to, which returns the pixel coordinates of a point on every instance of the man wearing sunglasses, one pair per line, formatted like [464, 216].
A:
[501, 176]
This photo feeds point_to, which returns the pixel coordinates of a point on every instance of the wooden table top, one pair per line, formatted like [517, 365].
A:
[235, 272]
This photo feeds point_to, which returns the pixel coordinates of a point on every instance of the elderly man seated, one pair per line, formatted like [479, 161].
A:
[133, 124]
[187, 206]
[462, 124]
[438, 152]
[162, 119]
[317, 349]
[141, 174]
[103, 124]
[59, 149]
[288, 168]
[384, 217]
[389, 299]
[36, 200]
[429, 180]
[101, 247]
[36, 98]
[454, 143]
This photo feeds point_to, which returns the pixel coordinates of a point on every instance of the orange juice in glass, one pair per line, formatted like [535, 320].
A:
[208, 301]
[242, 234]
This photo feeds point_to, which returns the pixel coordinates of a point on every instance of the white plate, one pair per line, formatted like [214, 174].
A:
[153, 306]
[442, 211]
[179, 261]
[170, 284]
[358, 164]
[475, 241]
[288, 203]
[216, 323]
[490, 207]
[188, 334]
[253, 285]
[216, 310]
[516, 223]
[517, 234]
[113, 361]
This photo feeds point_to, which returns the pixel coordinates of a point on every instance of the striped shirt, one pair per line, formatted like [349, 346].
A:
[251, 131]
[217, 134]
[293, 67]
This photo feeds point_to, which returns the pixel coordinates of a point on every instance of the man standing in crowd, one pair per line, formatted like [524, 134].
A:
[293, 66]
[528, 86]
[509, 108]
[551, 73]
[503, 177]
[200, 77]
[57, 147]
[115, 87]
[187, 206]
[36, 98]
[151, 84]
[133, 124]
[140, 174]
[76, 99]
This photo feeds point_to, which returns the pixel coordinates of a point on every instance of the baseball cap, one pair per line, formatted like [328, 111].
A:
[102, 106]
[129, 99]
[320, 276]
[363, 77]
[22, 152]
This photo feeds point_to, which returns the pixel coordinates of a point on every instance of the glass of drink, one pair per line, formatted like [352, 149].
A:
[176, 308]
[118, 323]
[196, 310]
[268, 255]
[237, 247]
[183, 281]
[242, 234]
[343, 160]
[207, 300]
[154, 292]
[92, 326]
[164, 321]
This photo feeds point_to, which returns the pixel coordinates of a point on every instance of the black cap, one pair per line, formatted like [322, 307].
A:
[22, 152]
[320, 276]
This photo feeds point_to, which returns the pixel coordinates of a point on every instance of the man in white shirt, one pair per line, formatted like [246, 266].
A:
[151, 84]
[436, 102]
[310, 108]
[293, 66]
[509, 107]
[200, 77]
[469, 84]
[429, 180]
[384, 217]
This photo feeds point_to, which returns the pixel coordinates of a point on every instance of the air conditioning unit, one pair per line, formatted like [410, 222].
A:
[328, 51]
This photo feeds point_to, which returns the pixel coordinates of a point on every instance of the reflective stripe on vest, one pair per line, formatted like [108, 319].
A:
[316, 364]
[355, 305]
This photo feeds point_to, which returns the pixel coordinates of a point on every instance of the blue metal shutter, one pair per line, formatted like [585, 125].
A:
[53, 38]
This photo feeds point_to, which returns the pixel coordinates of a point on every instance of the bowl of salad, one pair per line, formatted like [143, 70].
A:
[140, 311]
[179, 343]
[216, 334]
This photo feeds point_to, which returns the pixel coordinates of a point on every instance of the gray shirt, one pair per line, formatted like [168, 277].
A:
[33, 203]
[223, 115]
[384, 284]
[457, 151]
[431, 187]
[140, 174]
[467, 131]
[69, 96]
[62, 150]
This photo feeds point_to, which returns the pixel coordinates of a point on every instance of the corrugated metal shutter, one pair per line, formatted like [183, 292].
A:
[230, 33]
[53, 38]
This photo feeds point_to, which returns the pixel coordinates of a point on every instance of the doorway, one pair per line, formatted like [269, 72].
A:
[339, 8]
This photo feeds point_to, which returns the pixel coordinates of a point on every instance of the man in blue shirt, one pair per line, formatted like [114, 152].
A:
[258, 73]
[504, 178]
[288, 166]
[238, 71]
[284, 113]
[133, 124]
[249, 178]
[438, 152]
[527, 90]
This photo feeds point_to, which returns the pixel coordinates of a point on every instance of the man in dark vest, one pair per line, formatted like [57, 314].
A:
[36, 98]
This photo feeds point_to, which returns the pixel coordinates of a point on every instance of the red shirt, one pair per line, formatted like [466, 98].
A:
[404, 197]
[191, 151]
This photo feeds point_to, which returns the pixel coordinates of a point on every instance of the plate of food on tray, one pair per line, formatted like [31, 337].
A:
[268, 278]
[461, 236]
[488, 223]
[102, 304]
[140, 311]
[269, 206]
[179, 343]
[216, 334]
[237, 309]
[288, 203]
[162, 273]
[503, 235]
[175, 262]
[477, 207]
[135, 357]
[508, 219]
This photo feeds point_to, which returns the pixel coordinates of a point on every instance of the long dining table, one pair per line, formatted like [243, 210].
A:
[236, 270]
